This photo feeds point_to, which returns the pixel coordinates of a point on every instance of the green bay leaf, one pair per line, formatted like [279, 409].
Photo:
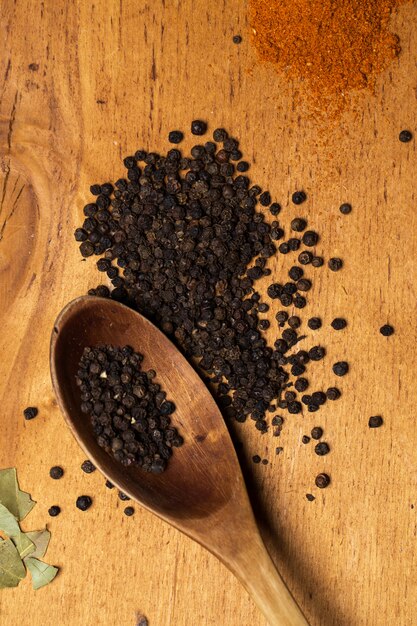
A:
[12, 570]
[42, 573]
[24, 545]
[8, 523]
[18, 502]
[41, 540]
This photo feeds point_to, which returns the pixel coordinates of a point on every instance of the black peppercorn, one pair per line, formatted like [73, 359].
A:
[237, 39]
[318, 397]
[310, 497]
[316, 353]
[265, 198]
[310, 238]
[405, 136]
[339, 323]
[299, 301]
[298, 224]
[301, 384]
[294, 407]
[386, 330]
[198, 127]
[341, 368]
[375, 421]
[83, 503]
[256, 458]
[129, 510]
[305, 257]
[123, 496]
[275, 208]
[333, 393]
[298, 197]
[322, 481]
[56, 472]
[54, 510]
[314, 323]
[294, 322]
[316, 432]
[175, 136]
[321, 449]
[109, 485]
[305, 439]
[335, 264]
[30, 412]
[345, 208]
[242, 166]
[317, 261]
[88, 467]
[220, 135]
[295, 272]
[278, 450]
[304, 284]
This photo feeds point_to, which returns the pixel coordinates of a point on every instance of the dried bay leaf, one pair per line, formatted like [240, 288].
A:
[41, 572]
[41, 540]
[24, 545]
[8, 523]
[18, 502]
[12, 570]
[10, 527]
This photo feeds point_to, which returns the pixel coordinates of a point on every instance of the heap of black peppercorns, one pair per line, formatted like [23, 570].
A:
[129, 412]
[183, 242]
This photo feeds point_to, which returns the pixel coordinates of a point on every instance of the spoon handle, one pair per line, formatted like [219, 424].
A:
[258, 574]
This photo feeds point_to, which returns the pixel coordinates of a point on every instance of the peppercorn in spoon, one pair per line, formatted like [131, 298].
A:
[202, 492]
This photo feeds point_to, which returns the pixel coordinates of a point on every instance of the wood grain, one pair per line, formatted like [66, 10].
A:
[83, 84]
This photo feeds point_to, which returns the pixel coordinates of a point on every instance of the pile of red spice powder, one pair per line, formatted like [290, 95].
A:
[333, 46]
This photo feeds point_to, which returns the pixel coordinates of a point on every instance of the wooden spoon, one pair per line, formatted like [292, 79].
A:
[202, 492]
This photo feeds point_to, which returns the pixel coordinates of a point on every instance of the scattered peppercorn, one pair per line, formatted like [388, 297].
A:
[335, 264]
[298, 224]
[341, 368]
[298, 197]
[109, 485]
[83, 503]
[375, 421]
[56, 472]
[339, 323]
[198, 127]
[314, 323]
[279, 449]
[316, 432]
[237, 39]
[333, 393]
[175, 136]
[275, 208]
[129, 510]
[54, 510]
[345, 208]
[88, 467]
[301, 384]
[405, 136]
[256, 458]
[305, 439]
[30, 412]
[386, 330]
[321, 449]
[317, 261]
[310, 238]
[310, 497]
[322, 481]
[265, 461]
[316, 353]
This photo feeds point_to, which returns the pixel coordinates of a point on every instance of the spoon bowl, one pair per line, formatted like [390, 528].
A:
[202, 492]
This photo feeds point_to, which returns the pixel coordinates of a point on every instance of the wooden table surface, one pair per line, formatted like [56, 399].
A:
[83, 84]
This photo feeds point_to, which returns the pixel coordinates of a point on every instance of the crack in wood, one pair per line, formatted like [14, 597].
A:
[12, 211]
[12, 121]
